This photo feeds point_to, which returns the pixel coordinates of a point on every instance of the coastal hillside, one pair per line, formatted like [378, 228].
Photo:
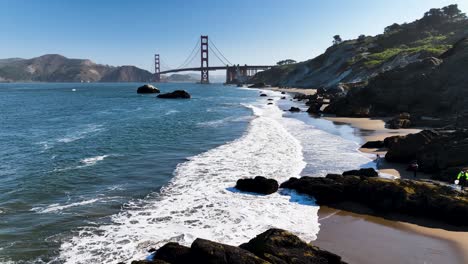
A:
[57, 68]
[357, 60]
[434, 87]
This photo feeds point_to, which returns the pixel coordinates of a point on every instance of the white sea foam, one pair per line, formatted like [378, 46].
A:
[200, 200]
[170, 112]
[224, 121]
[81, 133]
[54, 208]
[93, 160]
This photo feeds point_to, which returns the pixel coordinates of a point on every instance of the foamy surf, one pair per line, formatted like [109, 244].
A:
[200, 201]
[54, 208]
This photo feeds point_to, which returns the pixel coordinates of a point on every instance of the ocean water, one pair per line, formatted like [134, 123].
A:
[95, 173]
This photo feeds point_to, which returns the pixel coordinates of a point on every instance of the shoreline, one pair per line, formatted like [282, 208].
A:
[366, 239]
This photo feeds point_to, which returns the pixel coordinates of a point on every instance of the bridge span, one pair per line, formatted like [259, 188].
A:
[234, 73]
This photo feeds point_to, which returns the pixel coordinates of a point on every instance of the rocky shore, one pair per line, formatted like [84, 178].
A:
[273, 246]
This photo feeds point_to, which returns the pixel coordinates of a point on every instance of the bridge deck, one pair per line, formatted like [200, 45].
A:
[214, 68]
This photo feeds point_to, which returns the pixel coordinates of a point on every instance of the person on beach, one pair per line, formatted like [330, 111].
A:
[377, 161]
[462, 179]
[414, 166]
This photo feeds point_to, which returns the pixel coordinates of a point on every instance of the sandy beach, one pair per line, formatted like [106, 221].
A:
[293, 90]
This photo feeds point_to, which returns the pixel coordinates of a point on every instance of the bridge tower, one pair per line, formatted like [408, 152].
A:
[157, 68]
[204, 59]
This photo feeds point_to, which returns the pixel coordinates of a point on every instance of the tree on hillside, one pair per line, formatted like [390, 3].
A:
[337, 40]
[452, 11]
[392, 28]
[284, 62]
[361, 38]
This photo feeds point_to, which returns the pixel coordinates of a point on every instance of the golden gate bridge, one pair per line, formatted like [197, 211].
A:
[202, 50]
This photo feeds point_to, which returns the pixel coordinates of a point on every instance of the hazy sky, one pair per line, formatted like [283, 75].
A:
[124, 32]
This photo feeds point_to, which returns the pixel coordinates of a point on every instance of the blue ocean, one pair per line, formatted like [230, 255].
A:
[96, 173]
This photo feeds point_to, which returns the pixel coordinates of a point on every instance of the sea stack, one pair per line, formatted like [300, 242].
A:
[147, 88]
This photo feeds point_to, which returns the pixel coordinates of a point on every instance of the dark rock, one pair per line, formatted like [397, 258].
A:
[314, 108]
[147, 88]
[294, 109]
[367, 172]
[259, 184]
[258, 85]
[435, 150]
[283, 97]
[178, 94]
[283, 93]
[279, 246]
[374, 144]
[208, 252]
[400, 121]
[270, 99]
[270, 103]
[174, 253]
[415, 198]
[275, 246]
[263, 95]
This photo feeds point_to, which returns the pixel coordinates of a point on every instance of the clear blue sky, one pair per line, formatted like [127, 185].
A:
[124, 32]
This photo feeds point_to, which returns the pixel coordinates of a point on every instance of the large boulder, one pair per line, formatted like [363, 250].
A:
[374, 144]
[366, 172]
[205, 251]
[173, 253]
[400, 121]
[147, 88]
[258, 184]
[435, 150]
[294, 109]
[279, 246]
[415, 198]
[177, 94]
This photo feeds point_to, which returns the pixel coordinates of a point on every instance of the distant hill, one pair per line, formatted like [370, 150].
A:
[182, 78]
[57, 68]
[360, 59]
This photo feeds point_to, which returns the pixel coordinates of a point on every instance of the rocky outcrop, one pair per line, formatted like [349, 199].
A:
[294, 109]
[366, 172]
[177, 94]
[263, 95]
[374, 144]
[432, 89]
[258, 184]
[279, 246]
[415, 198]
[147, 88]
[435, 150]
[402, 120]
[275, 246]
[258, 85]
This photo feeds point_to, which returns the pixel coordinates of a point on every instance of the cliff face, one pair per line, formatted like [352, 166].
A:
[435, 87]
[57, 68]
[366, 57]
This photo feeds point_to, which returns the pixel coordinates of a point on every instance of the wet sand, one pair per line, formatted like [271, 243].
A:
[365, 239]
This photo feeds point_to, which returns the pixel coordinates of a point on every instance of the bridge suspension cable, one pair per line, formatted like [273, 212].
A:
[190, 57]
[212, 44]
